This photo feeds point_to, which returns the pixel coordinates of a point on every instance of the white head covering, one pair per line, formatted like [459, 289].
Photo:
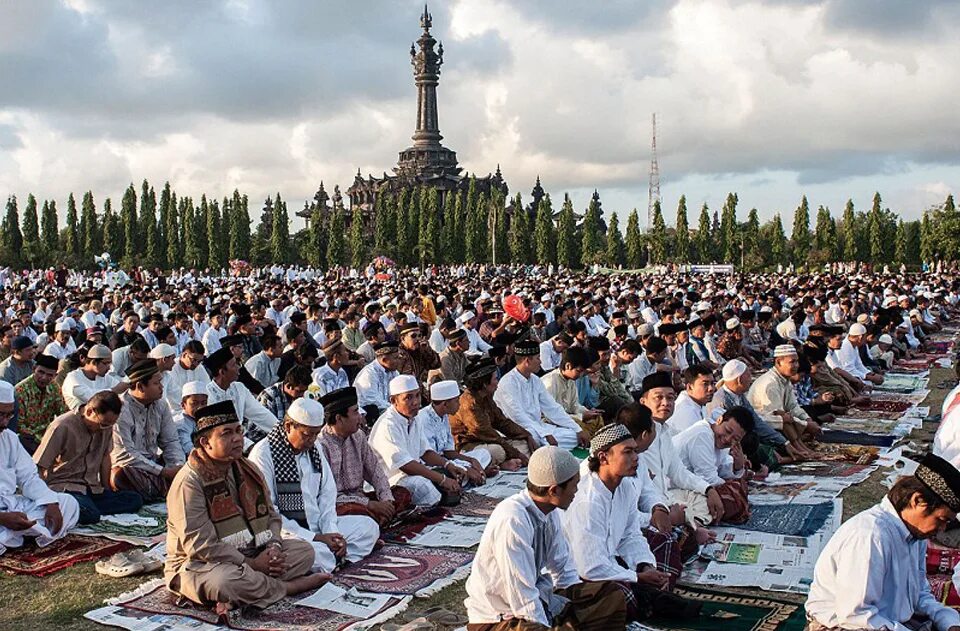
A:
[733, 323]
[403, 383]
[193, 387]
[858, 329]
[162, 350]
[6, 392]
[444, 390]
[784, 350]
[99, 351]
[306, 412]
[787, 329]
[733, 369]
[466, 316]
[885, 339]
[551, 465]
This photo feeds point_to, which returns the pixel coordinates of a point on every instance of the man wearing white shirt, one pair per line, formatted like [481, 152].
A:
[551, 351]
[398, 440]
[304, 491]
[524, 400]
[373, 380]
[834, 338]
[186, 368]
[92, 377]
[213, 335]
[691, 404]
[872, 572]
[62, 346]
[468, 321]
[257, 420]
[331, 376]
[849, 355]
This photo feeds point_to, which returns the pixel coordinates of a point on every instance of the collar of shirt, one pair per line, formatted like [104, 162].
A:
[887, 507]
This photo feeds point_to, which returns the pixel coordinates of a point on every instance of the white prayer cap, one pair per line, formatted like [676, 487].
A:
[64, 325]
[466, 316]
[99, 351]
[703, 305]
[162, 350]
[902, 297]
[193, 387]
[885, 339]
[857, 329]
[784, 350]
[649, 316]
[645, 329]
[788, 303]
[6, 392]
[787, 329]
[444, 390]
[889, 301]
[403, 383]
[306, 412]
[766, 309]
[733, 369]
[551, 465]
[733, 323]
[914, 313]
[863, 318]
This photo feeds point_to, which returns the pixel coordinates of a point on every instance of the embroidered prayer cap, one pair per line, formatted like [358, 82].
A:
[339, 400]
[733, 323]
[47, 361]
[657, 379]
[142, 371]
[218, 360]
[444, 390]
[386, 348]
[551, 465]
[21, 342]
[160, 351]
[214, 415]
[784, 350]
[607, 437]
[64, 325]
[526, 348]
[6, 392]
[306, 412]
[857, 329]
[733, 369]
[403, 383]
[231, 340]
[409, 327]
[479, 369]
[942, 478]
[192, 388]
[99, 351]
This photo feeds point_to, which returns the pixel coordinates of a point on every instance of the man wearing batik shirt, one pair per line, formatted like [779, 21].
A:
[278, 397]
[355, 464]
[39, 402]
[373, 380]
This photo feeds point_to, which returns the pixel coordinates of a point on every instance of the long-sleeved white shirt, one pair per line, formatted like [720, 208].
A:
[398, 441]
[19, 476]
[600, 526]
[946, 442]
[373, 385]
[686, 412]
[667, 470]
[700, 455]
[327, 380]
[318, 487]
[263, 368]
[872, 575]
[246, 405]
[522, 559]
[176, 378]
[477, 345]
[211, 340]
[525, 401]
[549, 357]
[850, 360]
[77, 388]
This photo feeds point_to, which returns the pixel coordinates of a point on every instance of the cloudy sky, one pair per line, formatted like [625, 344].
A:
[773, 99]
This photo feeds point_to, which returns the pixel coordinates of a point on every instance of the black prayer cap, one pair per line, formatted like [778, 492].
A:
[526, 348]
[47, 361]
[480, 368]
[214, 415]
[658, 379]
[340, 400]
[942, 478]
[231, 340]
[217, 360]
[142, 370]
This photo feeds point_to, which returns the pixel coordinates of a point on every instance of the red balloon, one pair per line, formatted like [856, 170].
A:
[513, 307]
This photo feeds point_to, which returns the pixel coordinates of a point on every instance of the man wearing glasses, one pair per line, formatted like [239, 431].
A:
[92, 377]
[416, 356]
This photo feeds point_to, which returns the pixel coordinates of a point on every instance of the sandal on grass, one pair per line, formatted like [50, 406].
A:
[417, 624]
[118, 566]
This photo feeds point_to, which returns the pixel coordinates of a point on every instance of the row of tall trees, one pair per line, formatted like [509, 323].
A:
[414, 226]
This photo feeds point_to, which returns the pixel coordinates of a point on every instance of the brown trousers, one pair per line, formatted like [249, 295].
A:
[593, 607]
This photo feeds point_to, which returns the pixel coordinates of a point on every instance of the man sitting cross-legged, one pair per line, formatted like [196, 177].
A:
[223, 535]
[602, 527]
[354, 464]
[523, 576]
[74, 458]
[304, 490]
[471, 466]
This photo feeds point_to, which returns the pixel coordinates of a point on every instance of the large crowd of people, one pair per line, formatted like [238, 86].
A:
[287, 418]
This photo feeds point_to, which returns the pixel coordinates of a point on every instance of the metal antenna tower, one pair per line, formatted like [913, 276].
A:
[654, 191]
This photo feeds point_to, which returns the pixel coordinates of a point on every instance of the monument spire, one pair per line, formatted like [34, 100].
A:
[426, 71]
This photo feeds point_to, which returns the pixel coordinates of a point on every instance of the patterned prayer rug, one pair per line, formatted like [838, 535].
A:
[800, 520]
[733, 612]
[413, 524]
[59, 555]
[406, 570]
[474, 505]
[846, 453]
[825, 469]
[285, 615]
[158, 527]
[857, 438]
[887, 406]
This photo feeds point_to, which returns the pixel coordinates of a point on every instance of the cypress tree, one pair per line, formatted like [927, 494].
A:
[634, 241]
[544, 233]
[475, 225]
[448, 234]
[927, 246]
[358, 246]
[876, 231]
[778, 241]
[752, 253]
[704, 239]
[682, 248]
[614, 243]
[801, 232]
[239, 227]
[92, 231]
[385, 228]
[210, 214]
[404, 236]
[71, 236]
[12, 237]
[280, 233]
[520, 245]
[335, 250]
[913, 242]
[566, 235]
[174, 235]
[729, 239]
[946, 231]
[31, 232]
[825, 239]
[591, 243]
[49, 235]
[460, 228]
[148, 224]
[163, 228]
[434, 249]
[318, 241]
[497, 217]
[849, 250]
[900, 243]
[112, 231]
[658, 236]
[128, 219]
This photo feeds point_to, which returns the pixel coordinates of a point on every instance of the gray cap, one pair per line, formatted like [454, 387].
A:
[551, 465]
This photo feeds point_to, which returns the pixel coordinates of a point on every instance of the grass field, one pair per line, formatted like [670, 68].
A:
[59, 601]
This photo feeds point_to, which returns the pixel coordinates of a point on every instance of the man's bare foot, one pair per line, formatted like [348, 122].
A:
[491, 471]
[510, 465]
[305, 583]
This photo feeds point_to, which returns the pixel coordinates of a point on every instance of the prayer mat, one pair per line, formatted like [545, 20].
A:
[61, 554]
[830, 452]
[580, 453]
[132, 525]
[406, 570]
[474, 505]
[886, 406]
[413, 524]
[939, 348]
[799, 520]
[857, 438]
[154, 598]
[733, 612]
[825, 469]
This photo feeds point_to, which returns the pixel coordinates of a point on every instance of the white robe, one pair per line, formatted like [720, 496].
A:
[246, 405]
[872, 575]
[600, 526]
[77, 388]
[23, 491]
[319, 490]
[699, 454]
[176, 378]
[946, 442]
[436, 429]
[526, 401]
[373, 385]
[508, 578]
[686, 412]
[398, 441]
[549, 357]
